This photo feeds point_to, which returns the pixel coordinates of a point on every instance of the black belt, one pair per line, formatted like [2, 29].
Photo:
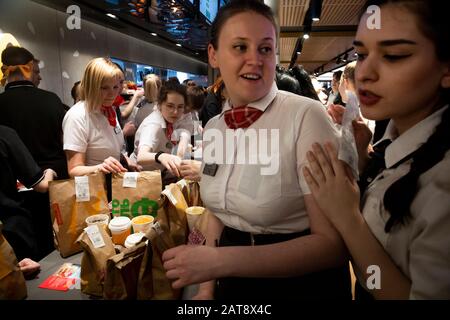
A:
[232, 237]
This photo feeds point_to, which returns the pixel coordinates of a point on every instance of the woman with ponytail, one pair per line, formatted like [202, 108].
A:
[400, 244]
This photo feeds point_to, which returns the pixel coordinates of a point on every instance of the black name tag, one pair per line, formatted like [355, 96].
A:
[210, 169]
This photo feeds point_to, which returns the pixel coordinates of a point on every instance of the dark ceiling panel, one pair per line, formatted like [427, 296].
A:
[162, 22]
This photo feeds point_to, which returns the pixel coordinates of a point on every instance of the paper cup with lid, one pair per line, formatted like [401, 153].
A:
[101, 218]
[120, 228]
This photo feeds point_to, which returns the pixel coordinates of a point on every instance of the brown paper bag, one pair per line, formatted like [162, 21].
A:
[12, 282]
[133, 196]
[122, 272]
[194, 194]
[174, 213]
[191, 192]
[93, 262]
[69, 215]
[198, 233]
[153, 283]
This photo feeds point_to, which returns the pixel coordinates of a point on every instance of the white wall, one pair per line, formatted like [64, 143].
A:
[64, 53]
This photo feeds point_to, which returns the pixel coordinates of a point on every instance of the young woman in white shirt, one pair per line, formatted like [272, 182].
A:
[273, 241]
[165, 130]
[400, 244]
[93, 139]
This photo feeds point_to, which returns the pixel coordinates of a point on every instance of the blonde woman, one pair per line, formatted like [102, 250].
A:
[149, 101]
[93, 139]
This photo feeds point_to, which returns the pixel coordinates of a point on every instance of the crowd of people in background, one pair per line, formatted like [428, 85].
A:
[301, 241]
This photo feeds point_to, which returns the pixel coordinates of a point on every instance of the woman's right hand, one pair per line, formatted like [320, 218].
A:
[111, 165]
[171, 162]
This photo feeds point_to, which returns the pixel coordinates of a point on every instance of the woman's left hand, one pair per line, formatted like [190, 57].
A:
[189, 264]
[332, 185]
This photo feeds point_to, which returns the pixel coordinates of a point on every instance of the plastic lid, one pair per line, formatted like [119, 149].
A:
[134, 238]
[119, 223]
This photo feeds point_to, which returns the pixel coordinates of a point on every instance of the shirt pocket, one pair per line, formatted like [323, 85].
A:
[262, 190]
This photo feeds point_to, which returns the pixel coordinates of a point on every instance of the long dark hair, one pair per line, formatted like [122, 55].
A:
[435, 25]
[306, 86]
[233, 8]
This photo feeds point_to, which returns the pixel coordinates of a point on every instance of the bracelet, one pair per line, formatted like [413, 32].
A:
[157, 156]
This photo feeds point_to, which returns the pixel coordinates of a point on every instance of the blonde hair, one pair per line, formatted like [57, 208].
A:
[156, 78]
[151, 89]
[97, 71]
[349, 72]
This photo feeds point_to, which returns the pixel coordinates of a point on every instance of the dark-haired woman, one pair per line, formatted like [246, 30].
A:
[163, 130]
[306, 86]
[400, 245]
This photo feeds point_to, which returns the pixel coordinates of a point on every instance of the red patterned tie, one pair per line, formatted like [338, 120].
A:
[169, 131]
[241, 117]
[110, 113]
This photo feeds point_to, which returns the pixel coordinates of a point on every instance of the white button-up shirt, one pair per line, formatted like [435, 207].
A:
[264, 193]
[421, 248]
[91, 133]
[152, 133]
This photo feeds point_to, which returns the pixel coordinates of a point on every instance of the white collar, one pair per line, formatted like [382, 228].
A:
[411, 139]
[260, 104]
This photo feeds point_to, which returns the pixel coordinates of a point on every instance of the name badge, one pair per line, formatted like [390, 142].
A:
[210, 169]
[117, 130]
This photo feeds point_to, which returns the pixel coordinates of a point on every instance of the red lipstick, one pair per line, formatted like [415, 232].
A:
[368, 98]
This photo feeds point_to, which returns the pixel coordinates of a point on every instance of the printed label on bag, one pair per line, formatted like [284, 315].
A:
[82, 189]
[170, 196]
[57, 213]
[130, 179]
[95, 236]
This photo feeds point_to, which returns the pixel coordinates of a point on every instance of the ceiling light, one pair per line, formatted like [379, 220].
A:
[316, 9]
[178, 45]
[306, 36]
[345, 58]
[111, 16]
[299, 52]
[153, 34]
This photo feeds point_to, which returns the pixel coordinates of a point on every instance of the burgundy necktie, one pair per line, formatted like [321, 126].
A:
[241, 117]
[169, 131]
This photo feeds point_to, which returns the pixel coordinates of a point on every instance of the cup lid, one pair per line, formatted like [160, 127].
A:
[120, 222]
[97, 218]
[134, 238]
[195, 210]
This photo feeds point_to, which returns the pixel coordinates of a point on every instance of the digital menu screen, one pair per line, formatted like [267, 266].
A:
[209, 9]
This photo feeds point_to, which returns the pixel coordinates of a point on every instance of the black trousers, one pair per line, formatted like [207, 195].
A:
[328, 284]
